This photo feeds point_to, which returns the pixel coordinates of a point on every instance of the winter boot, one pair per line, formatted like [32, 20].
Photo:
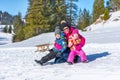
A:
[85, 61]
[39, 62]
[70, 63]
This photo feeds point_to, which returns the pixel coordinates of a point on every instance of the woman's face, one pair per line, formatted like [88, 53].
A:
[66, 29]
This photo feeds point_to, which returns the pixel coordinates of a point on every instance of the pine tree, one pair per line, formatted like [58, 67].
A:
[28, 31]
[44, 15]
[80, 20]
[106, 14]
[21, 35]
[71, 11]
[5, 29]
[17, 23]
[10, 29]
[115, 3]
[98, 9]
[6, 18]
[58, 12]
[18, 28]
[108, 5]
[84, 19]
[36, 17]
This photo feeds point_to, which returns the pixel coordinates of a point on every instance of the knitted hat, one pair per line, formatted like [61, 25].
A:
[57, 30]
[63, 25]
[63, 21]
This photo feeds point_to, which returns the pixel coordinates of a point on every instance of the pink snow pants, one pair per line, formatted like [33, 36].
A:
[80, 53]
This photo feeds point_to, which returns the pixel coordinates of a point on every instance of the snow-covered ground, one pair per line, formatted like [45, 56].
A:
[5, 38]
[102, 49]
[18, 64]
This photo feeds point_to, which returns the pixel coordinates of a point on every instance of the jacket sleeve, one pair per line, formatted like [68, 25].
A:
[79, 46]
[54, 49]
[75, 31]
[82, 38]
[64, 45]
[82, 41]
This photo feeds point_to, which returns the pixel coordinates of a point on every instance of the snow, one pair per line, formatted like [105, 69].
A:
[5, 38]
[110, 23]
[102, 50]
[18, 64]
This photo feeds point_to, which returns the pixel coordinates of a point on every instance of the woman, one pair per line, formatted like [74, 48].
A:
[68, 31]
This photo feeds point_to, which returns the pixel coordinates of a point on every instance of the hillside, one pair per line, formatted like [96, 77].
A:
[113, 21]
[102, 49]
[6, 18]
[5, 38]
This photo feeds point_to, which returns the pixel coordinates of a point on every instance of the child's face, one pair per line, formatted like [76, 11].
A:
[57, 36]
[75, 36]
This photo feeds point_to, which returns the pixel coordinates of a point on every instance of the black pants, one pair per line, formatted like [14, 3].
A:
[49, 56]
[76, 59]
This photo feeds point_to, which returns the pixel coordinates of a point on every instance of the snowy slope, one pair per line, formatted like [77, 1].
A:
[31, 42]
[5, 38]
[107, 30]
[113, 21]
[18, 64]
[102, 49]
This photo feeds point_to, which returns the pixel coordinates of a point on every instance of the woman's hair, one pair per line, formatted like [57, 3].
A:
[63, 25]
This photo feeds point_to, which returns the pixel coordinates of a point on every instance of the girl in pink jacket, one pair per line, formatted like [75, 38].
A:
[75, 43]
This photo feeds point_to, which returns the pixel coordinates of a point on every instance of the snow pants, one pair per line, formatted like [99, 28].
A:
[80, 53]
[49, 56]
[59, 58]
[62, 58]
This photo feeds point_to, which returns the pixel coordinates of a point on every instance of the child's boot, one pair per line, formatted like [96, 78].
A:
[39, 62]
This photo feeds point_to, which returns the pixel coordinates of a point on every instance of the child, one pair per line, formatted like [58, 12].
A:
[75, 45]
[60, 46]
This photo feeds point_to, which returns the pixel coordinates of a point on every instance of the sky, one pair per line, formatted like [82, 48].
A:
[88, 4]
[15, 6]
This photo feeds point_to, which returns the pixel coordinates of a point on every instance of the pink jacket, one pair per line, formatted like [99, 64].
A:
[75, 31]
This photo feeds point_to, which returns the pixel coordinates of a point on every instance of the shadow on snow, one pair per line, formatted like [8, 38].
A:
[90, 57]
[93, 57]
